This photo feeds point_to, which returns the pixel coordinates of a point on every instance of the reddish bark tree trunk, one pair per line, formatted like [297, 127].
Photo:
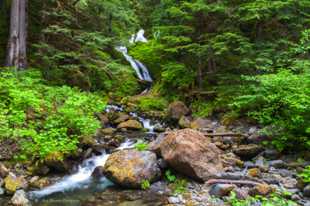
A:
[16, 54]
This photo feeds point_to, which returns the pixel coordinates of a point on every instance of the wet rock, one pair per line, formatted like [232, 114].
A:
[20, 198]
[159, 128]
[242, 193]
[129, 168]
[254, 172]
[55, 161]
[271, 153]
[289, 182]
[230, 159]
[177, 109]
[155, 145]
[87, 141]
[13, 183]
[277, 164]
[39, 169]
[121, 118]
[39, 183]
[306, 191]
[184, 122]
[98, 172]
[108, 131]
[103, 119]
[130, 124]
[221, 190]
[248, 151]
[190, 153]
[200, 123]
[3, 170]
[261, 189]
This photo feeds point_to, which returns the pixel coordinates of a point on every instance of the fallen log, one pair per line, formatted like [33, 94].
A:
[223, 134]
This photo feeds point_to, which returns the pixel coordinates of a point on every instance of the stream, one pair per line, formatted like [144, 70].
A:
[75, 189]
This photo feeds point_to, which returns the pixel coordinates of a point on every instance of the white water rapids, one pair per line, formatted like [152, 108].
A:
[140, 69]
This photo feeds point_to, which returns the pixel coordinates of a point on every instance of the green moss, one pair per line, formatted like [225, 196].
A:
[149, 103]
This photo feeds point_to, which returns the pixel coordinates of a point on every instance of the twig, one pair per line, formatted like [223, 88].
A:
[238, 182]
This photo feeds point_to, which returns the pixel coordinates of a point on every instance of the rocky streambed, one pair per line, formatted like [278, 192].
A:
[138, 161]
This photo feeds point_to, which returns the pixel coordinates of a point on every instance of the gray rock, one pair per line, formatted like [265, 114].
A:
[277, 164]
[289, 183]
[248, 151]
[1, 182]
[221, 190]
[20, 198]
[176, 200]
[271, 153]
[306, 191]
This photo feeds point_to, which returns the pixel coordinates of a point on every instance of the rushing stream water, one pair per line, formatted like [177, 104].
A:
[81, 185]
[140, 69]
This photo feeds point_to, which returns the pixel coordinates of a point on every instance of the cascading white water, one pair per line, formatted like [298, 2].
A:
[140, 69]
[82, 178]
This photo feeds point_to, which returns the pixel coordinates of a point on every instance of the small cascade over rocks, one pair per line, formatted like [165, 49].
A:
[82, 178]
[140, 69]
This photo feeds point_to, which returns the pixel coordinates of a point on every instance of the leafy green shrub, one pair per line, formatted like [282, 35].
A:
[281, 102]
[45, 119]
[145, 185]
[305, 174]
[141, 146]
[178, 185]
[149, 103]
[272, 200]
[170, 177]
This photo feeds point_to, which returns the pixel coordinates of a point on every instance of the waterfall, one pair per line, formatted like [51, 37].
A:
[140, 69]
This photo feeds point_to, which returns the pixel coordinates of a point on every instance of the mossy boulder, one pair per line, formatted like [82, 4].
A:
[129, 168]
[13, 183]
[130, 124]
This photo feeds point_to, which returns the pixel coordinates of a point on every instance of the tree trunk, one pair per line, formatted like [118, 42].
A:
[16, 54]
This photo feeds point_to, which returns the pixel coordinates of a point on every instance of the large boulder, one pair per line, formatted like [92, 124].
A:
[190, 153]
[129, 168]
[177, 109]
[130, 124]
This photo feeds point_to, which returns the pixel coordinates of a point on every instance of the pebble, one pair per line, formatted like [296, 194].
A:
[176, 200]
